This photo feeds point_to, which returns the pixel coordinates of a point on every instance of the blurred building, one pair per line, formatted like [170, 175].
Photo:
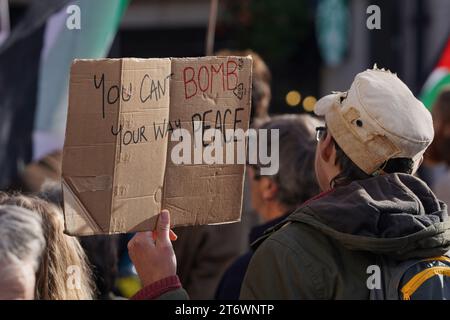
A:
[411, 36]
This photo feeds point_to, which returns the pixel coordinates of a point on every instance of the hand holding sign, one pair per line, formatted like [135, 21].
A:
[154, 259]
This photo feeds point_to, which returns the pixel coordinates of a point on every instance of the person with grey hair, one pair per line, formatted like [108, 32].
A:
[275, 197]
[21, 247]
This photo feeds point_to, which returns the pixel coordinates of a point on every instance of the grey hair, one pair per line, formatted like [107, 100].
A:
[51, 191]
[22, 236]
[296, 177]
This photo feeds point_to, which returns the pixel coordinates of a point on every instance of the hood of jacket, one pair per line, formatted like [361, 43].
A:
[396, 215]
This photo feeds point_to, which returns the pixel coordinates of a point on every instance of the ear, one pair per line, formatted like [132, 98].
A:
[327, 150]
[269, 188]
[420, 162]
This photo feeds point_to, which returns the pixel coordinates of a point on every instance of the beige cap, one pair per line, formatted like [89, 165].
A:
[376, 120]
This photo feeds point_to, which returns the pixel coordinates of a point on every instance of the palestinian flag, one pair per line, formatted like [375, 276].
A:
[439, 78]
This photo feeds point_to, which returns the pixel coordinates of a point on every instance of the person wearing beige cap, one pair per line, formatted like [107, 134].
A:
[375, 232]
[378, 123]
[374, 219]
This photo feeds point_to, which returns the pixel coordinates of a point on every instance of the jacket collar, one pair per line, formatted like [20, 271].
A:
[261, 233]
[259, 230]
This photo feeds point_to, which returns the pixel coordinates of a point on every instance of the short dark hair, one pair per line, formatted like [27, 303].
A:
[296, 179]
[351, 172]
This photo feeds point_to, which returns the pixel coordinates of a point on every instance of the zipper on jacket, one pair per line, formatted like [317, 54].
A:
[416, 281]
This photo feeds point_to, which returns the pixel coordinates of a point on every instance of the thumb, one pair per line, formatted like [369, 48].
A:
[163, 228]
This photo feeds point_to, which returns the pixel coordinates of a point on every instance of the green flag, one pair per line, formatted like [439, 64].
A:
[439, 78]
[99, 21]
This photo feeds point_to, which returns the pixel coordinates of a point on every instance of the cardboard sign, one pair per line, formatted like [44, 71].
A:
[118, 170]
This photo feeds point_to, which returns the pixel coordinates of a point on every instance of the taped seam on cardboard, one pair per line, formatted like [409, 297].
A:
[95, 183]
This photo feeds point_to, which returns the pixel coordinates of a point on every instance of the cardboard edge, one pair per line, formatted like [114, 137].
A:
[164, 184]
[164, 200]
[117, 154]
[69, 196]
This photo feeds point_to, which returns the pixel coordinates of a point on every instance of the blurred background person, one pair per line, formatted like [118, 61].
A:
[21, 247]
[275, 197]
[62, 257]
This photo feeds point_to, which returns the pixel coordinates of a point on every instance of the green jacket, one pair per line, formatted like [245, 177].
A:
[323, 250]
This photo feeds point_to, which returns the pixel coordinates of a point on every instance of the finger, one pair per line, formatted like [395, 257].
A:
[163, 229]
[172, 235]
[141, 237]
[139, 240]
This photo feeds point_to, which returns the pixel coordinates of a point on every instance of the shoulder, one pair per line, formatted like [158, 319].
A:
[285, 266]
[311, 264]
[298, 238]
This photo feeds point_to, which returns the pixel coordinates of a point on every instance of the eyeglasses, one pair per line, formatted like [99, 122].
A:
[320, 132]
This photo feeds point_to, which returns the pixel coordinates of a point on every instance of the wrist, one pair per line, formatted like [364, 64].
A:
[157, 288]
[148, 279]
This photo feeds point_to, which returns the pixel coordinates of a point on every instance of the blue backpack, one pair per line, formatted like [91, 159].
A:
[418, 279]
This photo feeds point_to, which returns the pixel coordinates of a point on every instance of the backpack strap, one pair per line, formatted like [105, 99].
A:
[441, 266]
[379, 293]
[391, 276]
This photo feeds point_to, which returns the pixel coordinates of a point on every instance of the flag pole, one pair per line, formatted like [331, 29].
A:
[211, 27]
